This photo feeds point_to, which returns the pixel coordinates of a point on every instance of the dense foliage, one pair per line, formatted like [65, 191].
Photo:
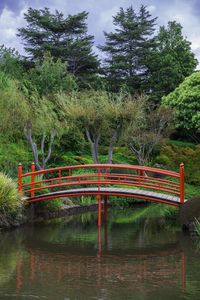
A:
[61, 106]
[171, 61]
[102, 117]
[185, 100]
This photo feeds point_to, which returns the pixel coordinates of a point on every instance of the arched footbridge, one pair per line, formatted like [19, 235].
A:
[103, 180]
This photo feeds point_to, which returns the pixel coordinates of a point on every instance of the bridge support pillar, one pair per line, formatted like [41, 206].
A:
[99, 210]
[105, 208]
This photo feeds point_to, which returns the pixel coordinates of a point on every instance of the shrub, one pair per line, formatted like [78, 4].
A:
[11, 204]
[163, 160]
[171, 156]
[51, 205]
[11, 153]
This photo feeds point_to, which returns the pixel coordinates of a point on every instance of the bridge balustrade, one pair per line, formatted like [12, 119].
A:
[35, 183]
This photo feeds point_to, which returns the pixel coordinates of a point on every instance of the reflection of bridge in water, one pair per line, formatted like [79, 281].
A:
[166, 265]
[76, 268]
[103, 181]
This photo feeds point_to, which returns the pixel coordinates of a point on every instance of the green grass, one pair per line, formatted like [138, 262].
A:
[191, 190]
[121, 155]
[181, 144]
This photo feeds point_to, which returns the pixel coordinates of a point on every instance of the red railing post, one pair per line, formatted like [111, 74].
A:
[99, 174]
[32, 180]
[19, 177]
[99, 210]
[138, 176]
[60, 175]
[182, 192]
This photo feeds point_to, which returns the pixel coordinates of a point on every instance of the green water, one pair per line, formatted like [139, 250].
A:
[69, 259]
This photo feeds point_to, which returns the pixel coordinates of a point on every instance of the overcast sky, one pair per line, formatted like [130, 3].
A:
[187, 12]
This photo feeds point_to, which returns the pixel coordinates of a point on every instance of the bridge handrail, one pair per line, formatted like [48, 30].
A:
[104, 166]
[103, 176]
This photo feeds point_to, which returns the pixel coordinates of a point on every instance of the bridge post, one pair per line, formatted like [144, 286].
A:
[99, 210]
[182, 192]
[19, 177]
[32, 180]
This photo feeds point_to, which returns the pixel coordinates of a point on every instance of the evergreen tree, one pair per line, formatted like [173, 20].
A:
[171, 61]
[128, 49]
[64, 38]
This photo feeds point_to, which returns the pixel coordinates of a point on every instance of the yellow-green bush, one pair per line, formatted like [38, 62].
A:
[11, 204]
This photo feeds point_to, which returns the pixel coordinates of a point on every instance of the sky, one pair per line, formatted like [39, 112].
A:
[187, 12]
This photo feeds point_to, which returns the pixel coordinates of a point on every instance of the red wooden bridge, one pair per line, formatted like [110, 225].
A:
[102, 180]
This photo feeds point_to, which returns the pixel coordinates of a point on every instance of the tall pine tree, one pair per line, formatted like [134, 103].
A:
[128, 49]
[64, 38]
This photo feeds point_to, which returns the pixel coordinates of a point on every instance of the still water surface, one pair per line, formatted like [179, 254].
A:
[69, 259]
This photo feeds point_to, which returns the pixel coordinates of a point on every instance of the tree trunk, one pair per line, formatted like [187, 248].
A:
[94, 145]
[48, 156]
[111, 146]
[28, 135]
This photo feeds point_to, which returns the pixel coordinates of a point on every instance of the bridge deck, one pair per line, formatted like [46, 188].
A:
[123, 192]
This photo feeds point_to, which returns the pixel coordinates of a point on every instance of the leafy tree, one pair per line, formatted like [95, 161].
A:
[101, 116]
[36, 117]
[128, 48]
[51, 77]
[41, 128]
[185, 101]
[145, 137]
[171, 61]
[13, 108]
[11, 63]
[64, 38]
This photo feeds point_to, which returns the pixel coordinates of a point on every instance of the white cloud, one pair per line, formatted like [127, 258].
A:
[9, 23]
[151, 8]
[100, 17]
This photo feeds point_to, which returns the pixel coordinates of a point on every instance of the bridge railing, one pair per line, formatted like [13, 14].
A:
[101, 175]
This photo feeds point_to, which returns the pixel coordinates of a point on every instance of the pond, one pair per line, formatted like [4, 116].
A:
[70, 259]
